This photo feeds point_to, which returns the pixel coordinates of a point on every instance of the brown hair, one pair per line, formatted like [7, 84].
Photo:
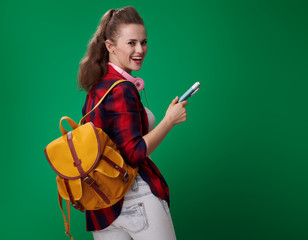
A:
[94, 64]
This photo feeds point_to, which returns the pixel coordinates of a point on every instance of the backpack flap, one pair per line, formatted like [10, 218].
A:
[76, 153]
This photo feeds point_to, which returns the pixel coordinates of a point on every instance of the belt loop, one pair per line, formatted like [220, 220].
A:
[135, 186]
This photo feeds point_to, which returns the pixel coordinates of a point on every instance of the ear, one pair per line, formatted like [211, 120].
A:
[110, 46]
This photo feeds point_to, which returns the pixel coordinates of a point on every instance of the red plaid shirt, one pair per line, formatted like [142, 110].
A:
[123, 117]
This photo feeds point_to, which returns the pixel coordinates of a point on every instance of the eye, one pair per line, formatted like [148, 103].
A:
[144, 42]
[131, 43]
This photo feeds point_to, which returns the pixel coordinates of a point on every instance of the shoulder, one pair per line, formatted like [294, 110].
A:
[124, 91]
[123, 98]
[124, 88]
[127, 87]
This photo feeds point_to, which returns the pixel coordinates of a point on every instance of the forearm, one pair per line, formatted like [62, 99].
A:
[176, 113]
[156, 136]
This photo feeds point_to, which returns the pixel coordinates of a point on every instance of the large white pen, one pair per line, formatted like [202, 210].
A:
[190, 92]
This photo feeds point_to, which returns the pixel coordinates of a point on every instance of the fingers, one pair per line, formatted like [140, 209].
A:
[176, 112]
[184, 103]
[175, 100]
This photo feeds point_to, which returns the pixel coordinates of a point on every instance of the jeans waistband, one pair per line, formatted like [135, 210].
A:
[138, 189]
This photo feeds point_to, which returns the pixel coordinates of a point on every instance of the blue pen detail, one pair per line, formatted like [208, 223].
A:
[190, 92]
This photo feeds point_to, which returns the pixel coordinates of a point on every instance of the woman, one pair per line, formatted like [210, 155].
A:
[117, 48]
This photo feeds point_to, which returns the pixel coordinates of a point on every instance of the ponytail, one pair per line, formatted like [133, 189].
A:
[94, 64]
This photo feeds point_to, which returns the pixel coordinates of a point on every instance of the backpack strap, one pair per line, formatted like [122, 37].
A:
[95, 187]
[67, 224]
[100, 101]
[71, 196]
[118, 168]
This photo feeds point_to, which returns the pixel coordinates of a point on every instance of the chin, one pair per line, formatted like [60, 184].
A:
[136, 68]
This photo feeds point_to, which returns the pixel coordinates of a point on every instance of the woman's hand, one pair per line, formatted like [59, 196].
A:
[176, 112]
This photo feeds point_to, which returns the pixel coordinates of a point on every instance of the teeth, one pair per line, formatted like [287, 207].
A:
[137, 58]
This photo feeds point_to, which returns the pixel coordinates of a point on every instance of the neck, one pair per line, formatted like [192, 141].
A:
[113, 61]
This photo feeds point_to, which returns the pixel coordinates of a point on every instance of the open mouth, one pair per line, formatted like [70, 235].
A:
[137, 59]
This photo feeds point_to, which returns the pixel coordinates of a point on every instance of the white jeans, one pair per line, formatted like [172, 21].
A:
[143, 217]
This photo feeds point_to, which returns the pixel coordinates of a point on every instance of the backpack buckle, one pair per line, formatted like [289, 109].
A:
[126, 177]
[77, 206]
[89, 180]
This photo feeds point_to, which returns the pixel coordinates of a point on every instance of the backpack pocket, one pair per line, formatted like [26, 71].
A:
[74, 185]
[105, 168]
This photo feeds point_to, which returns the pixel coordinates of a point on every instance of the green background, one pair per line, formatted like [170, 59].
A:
[237, 168]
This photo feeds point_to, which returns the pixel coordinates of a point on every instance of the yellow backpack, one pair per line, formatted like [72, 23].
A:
[91, 171]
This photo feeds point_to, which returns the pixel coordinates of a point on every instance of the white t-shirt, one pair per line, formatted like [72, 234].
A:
[151, 119]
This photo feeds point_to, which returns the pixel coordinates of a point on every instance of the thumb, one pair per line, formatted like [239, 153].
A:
[174, 101]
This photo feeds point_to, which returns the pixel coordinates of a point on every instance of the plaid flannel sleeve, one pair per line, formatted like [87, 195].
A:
[124, 106]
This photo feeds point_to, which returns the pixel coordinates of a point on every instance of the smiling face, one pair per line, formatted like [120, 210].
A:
[130, 48]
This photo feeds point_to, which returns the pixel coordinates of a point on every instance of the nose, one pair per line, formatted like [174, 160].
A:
[139, 48]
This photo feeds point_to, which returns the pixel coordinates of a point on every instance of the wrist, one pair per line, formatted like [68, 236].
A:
[167, 123]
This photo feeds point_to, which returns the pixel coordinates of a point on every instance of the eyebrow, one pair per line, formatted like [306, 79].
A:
[135, 40]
